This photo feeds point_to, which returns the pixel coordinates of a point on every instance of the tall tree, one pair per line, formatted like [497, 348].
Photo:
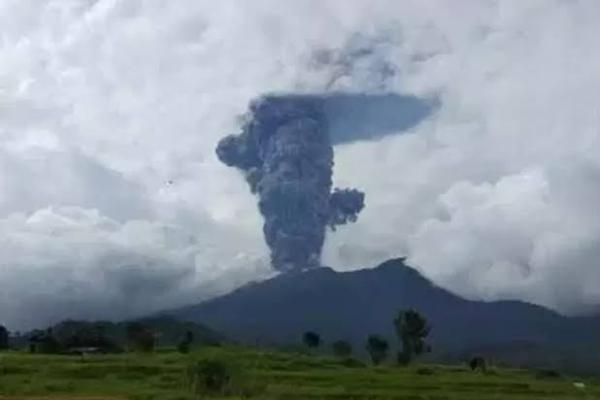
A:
[377, 348]
[412, 329]
[3, 338]
[186, 343]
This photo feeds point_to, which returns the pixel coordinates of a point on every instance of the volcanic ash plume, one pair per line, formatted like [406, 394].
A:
[286, 155]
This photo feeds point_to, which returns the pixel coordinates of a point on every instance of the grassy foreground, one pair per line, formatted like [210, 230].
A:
[274, 375]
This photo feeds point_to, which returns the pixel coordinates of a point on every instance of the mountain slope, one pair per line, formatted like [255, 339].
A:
[352, 305]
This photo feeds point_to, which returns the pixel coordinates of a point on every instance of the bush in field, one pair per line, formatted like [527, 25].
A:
[342, 349]
[214, 377]
[352, 363]
[377, 348]
[548, 374]
[478, 363]
[209, 376]
[186, 343]
[425, 371]
[312, 340]
[3, 338]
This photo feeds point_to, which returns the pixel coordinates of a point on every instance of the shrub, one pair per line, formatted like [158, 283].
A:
[342, 349]
[478, 363]
[403, 358]
[312, 340]
[490, 371]
[209, 377]
[425, 371]
[183, 348]
[352, 363]
[548, 374]
[214, 377]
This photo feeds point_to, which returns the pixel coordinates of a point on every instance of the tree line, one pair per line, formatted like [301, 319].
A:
[108, 337]
[411, 328]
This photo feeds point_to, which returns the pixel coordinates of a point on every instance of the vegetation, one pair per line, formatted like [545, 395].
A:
[236, 373]
[186, 343]
[44, 342]
[342, 349]
[140, 337]
[412, 329]
[478, 363]
[79, 335]
[222, 377]
[548, 374]
[312, 340]
[210, 377]
[211, 370]
[3, 338]
[108, 337]
[377, 348]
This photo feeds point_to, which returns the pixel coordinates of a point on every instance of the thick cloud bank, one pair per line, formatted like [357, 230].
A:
[74, 262]
[112, 201]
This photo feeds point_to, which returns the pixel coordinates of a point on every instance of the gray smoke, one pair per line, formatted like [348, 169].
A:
[286, 155]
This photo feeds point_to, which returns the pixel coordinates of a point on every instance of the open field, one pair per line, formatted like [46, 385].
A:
[272, 375]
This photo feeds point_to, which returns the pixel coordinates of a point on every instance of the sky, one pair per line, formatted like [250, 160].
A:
[113, 203]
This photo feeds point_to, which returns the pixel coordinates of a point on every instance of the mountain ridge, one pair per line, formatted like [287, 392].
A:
[351, 305]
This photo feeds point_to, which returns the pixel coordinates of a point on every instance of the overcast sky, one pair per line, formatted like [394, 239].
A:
[112, 202]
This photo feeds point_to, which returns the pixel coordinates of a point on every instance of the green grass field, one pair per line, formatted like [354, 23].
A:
[272, 375]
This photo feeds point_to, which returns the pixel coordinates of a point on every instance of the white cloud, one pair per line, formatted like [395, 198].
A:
[111, 109]
[493, 197]
[73, 262]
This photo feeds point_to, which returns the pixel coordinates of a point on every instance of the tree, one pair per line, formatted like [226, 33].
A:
[77, 335]
[478, 363]
[44, 342]
[342, 349]
[412, 329]
[92, 336]
[140, 337]
[3, 338]
[186, 343]
[377, 348]
[312, 340]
